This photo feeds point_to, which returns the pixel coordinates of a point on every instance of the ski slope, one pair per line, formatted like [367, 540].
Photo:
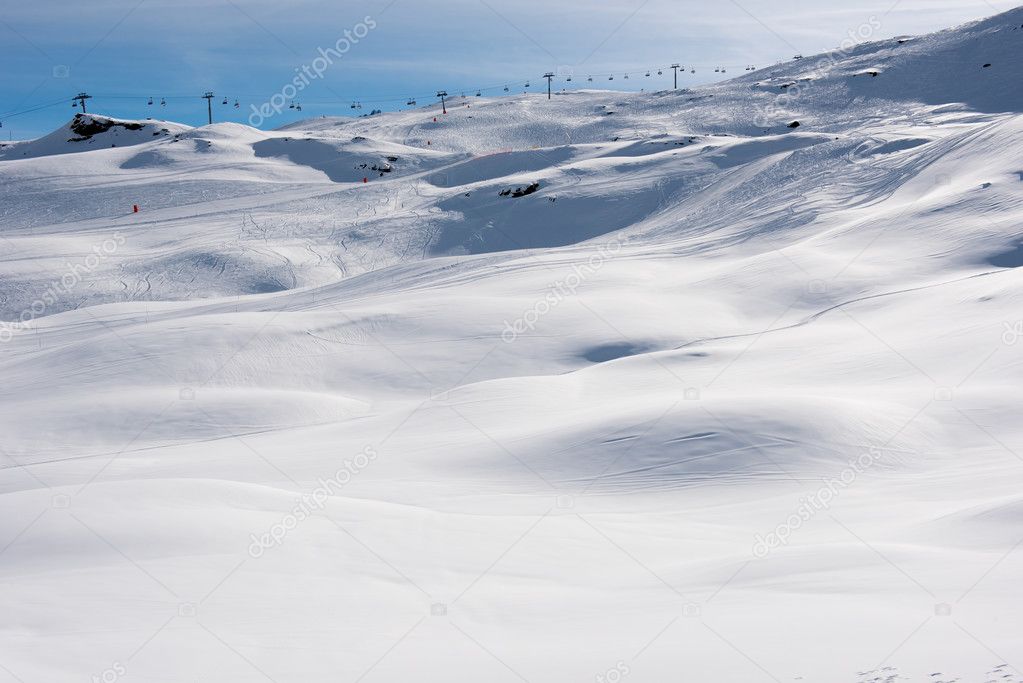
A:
[723, 399]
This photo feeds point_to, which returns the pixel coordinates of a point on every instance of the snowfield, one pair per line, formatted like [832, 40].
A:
[612, 387]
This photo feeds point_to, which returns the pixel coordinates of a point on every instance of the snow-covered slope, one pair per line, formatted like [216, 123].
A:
[598, 388]
[86, 132]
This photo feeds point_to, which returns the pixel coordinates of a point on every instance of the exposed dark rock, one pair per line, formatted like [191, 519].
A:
[520, 191]
[529, 189]
[85, 127]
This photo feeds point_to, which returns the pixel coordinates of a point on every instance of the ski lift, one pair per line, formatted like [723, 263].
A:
[506, 88]
[660, 72]
[717, 69]
[479, 93]
[237, 104]
[225, 101]
[298, 107]
[410, 103]
[626, 75]
[358, 105]
[150, 102]
[648, 74]
[611, 77]
[527, 84]
[292, 105]
[724, 70]
[163, 102]
[569, 79]
[74, 103]
[590, 78]
[693, 71]
[353, 105]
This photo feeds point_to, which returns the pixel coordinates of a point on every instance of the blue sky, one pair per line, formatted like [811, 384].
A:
[125, 51]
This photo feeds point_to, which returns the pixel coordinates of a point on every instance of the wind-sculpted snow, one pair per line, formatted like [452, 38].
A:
[608, 387]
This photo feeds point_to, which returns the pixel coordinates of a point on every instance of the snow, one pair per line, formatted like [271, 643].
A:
[283, 424]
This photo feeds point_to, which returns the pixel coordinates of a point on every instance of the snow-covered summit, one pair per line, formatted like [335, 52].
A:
[977, 65]
[88, 132]
[653, 384]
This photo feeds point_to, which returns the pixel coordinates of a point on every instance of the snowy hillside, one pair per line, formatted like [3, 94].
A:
[716, 384]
